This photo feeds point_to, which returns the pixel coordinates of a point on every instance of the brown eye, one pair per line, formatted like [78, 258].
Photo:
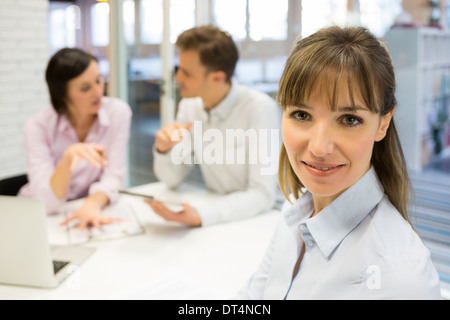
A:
[300, 115]
[351, 121]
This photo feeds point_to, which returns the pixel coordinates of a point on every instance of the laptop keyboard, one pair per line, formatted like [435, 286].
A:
[58, 265]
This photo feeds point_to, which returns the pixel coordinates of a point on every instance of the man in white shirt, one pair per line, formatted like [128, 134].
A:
[231, 131]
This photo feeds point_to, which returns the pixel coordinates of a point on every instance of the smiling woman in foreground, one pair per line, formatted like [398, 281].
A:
[347, 235]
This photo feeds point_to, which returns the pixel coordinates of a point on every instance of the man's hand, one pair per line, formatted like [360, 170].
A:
[188, 216]
[170, 135]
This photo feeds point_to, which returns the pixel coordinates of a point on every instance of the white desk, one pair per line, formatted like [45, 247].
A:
[169, 261]
[200, 263]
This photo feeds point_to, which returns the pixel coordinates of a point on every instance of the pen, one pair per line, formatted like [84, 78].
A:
[149, 197]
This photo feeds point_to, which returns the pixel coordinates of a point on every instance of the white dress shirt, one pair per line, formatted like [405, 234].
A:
[246, 189]
[358, 247]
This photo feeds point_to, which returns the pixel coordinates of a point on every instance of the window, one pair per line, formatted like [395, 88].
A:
[182, 15]
[262, 28]
[379, 15]
[129, 21]
[100, 24]
[63, 22]
[231, 15]
[317, 14]
[151, 21]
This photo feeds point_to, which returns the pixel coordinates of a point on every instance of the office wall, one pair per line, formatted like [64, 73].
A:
[23, 92]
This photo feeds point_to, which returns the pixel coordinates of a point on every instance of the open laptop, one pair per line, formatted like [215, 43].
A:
[26, 257]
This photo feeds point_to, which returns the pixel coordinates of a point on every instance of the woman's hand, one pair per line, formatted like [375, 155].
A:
[90, 214]
[93, 153]
[188, 216]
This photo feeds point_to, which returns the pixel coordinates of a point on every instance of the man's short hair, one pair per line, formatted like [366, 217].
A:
[216, 48]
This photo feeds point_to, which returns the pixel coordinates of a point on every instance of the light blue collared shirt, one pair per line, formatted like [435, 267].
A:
[358, 247]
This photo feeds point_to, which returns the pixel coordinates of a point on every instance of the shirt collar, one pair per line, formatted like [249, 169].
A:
[328, 228]
[224, 108]
[63, 123]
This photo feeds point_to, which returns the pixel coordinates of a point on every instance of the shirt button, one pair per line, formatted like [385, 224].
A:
[310, 243]
[302, 228]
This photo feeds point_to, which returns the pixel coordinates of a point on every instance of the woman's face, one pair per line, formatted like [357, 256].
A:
[85, 92]
[193, 78]
[331, 150]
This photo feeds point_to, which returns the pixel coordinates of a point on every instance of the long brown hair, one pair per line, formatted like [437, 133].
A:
[331, 56]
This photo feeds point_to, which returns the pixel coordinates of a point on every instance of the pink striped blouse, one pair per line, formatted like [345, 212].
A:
[48, 135]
